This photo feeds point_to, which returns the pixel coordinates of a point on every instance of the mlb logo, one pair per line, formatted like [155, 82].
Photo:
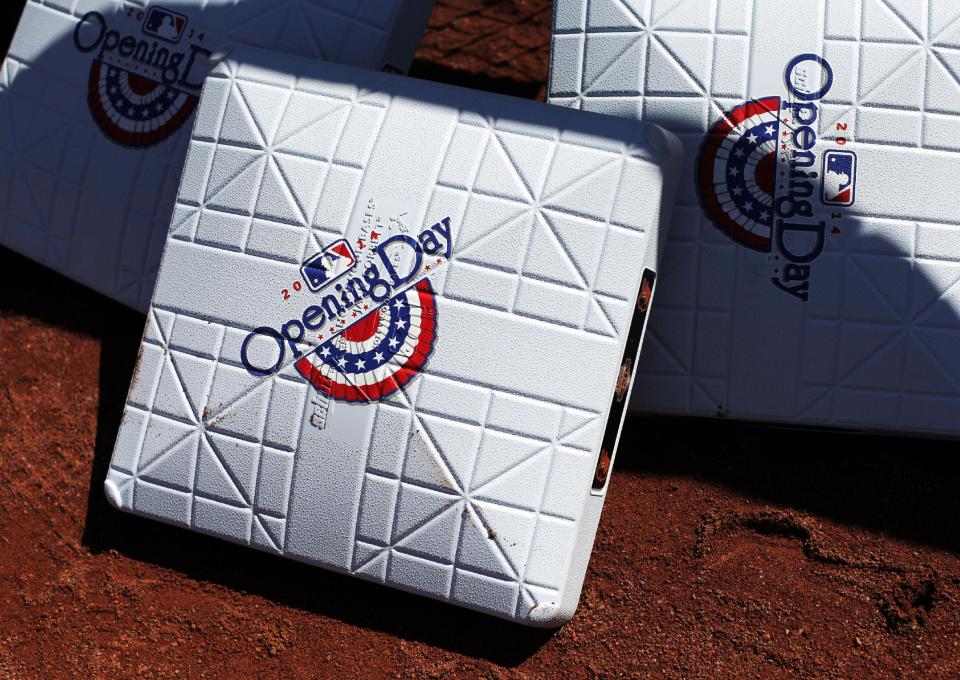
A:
[164, 24]
[839, 178]
[330, 264]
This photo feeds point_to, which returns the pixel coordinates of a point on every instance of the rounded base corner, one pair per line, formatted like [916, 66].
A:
[112, 492]
[549, 615]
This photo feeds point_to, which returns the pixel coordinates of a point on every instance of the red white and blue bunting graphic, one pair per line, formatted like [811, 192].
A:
[737, 172]
[133, 109]
[378, 354]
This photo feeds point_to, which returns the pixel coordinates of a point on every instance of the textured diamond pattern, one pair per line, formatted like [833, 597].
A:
[75, 200]
[872, 348]
[472, 482]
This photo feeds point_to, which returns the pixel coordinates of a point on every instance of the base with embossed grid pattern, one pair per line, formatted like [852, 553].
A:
[96, 102]
[812, 273]
[394, 330]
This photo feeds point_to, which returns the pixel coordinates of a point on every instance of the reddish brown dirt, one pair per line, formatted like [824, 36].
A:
[499, 45]
[725, 550]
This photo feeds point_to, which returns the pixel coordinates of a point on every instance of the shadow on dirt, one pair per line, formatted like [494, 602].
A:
[902, 487]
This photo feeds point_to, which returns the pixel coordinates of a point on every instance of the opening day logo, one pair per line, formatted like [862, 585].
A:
[373, 324]
[147, 71]
[764, 181]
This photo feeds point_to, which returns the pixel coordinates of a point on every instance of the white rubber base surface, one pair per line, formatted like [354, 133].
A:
[876, 344]
[449, 440]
